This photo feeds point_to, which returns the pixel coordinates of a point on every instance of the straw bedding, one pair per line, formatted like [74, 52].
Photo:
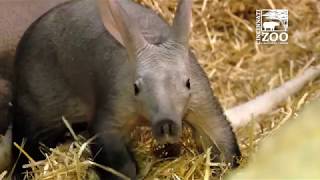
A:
[223, 39]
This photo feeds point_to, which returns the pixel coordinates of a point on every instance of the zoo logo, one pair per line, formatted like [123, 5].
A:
[272, 26]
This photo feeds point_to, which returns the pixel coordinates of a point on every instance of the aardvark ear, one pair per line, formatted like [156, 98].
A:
[182, 22]
[118, 23]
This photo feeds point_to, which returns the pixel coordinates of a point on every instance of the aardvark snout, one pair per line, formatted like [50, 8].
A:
[166, 131]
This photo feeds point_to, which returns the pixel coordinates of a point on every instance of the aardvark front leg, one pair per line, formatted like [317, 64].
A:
[209, 123]
[110, 149]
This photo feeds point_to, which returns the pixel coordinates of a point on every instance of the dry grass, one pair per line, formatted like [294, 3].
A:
[223, 38]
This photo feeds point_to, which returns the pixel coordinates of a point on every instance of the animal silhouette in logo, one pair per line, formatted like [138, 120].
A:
[275, 19]
[270, 25]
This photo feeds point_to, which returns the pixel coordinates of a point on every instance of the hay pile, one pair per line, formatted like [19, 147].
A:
[223, 39]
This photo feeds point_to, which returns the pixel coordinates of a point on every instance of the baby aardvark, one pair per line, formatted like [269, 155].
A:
[112, 64]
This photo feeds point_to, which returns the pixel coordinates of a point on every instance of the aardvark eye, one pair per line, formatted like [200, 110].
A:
[188, 85]
[136, 89]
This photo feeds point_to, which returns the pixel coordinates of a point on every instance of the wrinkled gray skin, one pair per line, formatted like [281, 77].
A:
[15, 17]
[68, 64]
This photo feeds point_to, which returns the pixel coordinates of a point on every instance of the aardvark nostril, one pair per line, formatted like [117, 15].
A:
[166, 127]
[166, 131]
